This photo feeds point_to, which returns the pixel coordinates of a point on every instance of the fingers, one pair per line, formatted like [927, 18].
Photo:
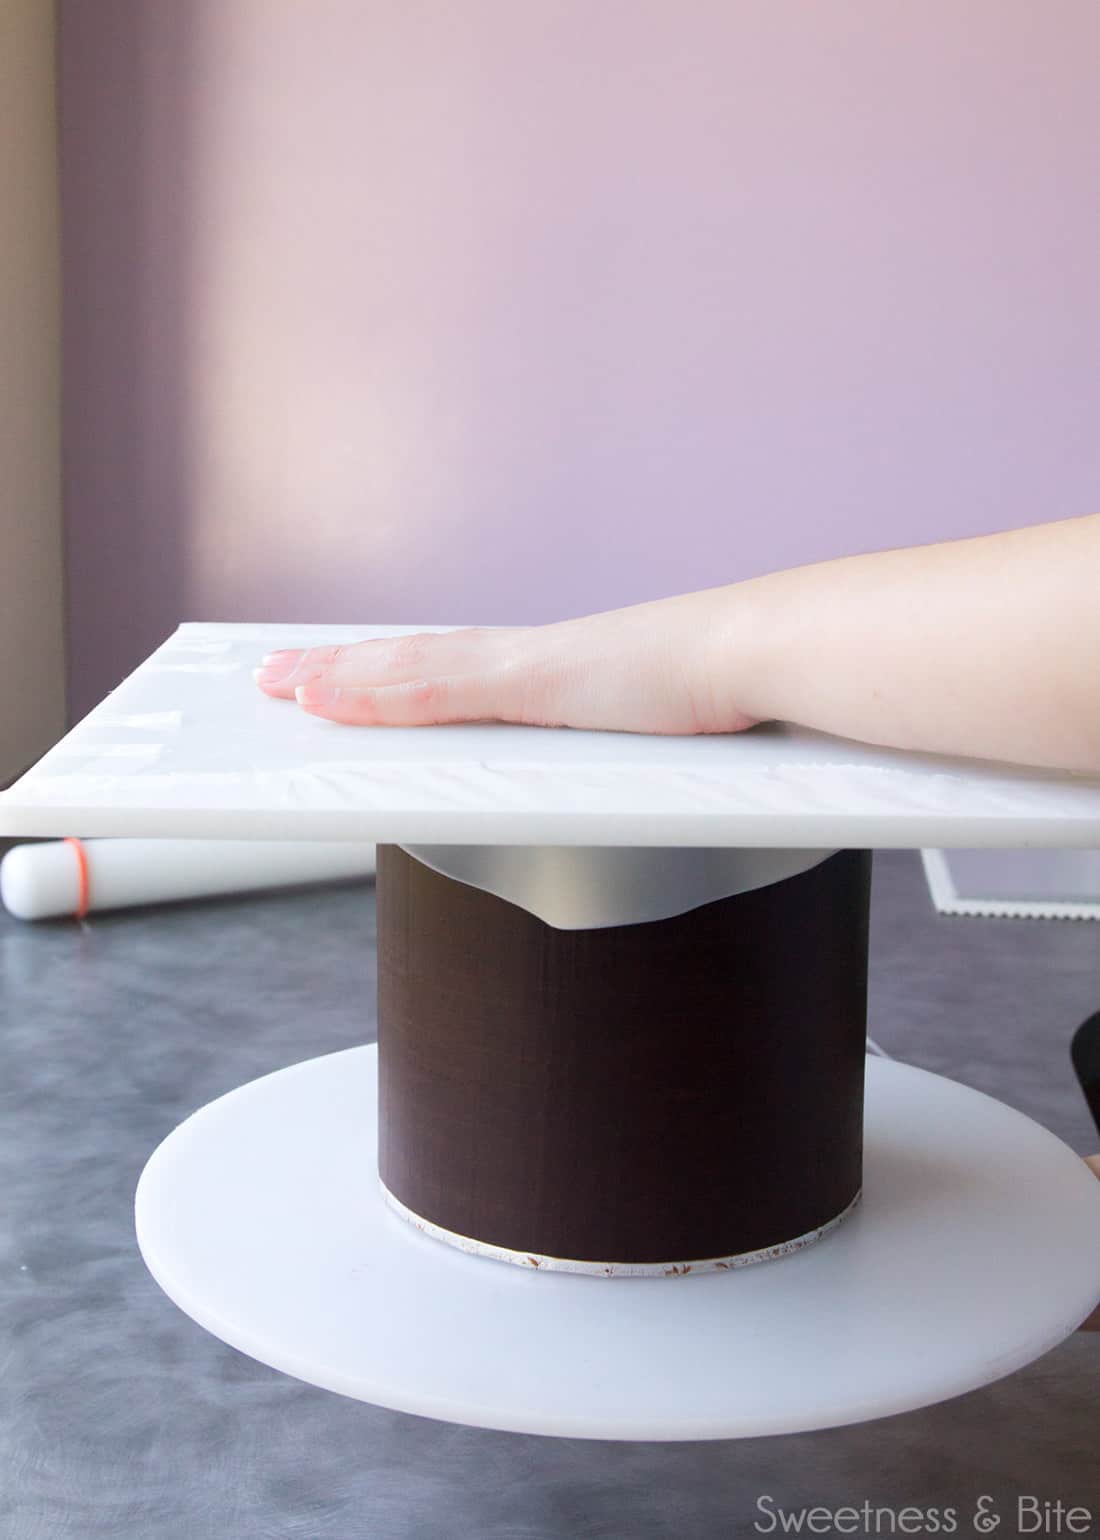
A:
[425, 678]
[387, 660]
[414, 703]
[281, 672]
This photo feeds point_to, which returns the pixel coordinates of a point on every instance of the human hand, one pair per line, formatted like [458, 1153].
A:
[650, 668]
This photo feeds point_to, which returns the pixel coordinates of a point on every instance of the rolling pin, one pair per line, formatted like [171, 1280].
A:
[73, 877]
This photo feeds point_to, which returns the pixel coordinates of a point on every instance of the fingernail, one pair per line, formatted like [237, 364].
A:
[317, 694]
[278, 666]
[286, 652]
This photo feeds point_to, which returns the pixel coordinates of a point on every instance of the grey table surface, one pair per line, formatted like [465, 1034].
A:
[120, 1416]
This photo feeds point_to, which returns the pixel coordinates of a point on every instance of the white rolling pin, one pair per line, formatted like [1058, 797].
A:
[59, 877]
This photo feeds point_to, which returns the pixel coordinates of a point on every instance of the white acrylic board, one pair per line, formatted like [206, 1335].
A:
[187, 747]
[975, 1248]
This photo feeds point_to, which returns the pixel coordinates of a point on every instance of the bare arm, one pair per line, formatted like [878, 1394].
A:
[989, 646]
[986, 647]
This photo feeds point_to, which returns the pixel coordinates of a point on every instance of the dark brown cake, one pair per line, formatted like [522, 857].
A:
[672, 1093]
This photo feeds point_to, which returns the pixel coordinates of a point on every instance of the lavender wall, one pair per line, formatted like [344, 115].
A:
[403, 310]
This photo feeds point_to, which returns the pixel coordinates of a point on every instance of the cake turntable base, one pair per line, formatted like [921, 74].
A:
[975, 1248]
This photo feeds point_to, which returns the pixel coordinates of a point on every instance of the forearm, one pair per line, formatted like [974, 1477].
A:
[987, 647]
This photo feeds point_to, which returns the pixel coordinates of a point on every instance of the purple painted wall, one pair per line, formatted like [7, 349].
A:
[402, 310]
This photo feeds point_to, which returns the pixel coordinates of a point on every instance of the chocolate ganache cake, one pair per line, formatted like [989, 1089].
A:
[664, 1097]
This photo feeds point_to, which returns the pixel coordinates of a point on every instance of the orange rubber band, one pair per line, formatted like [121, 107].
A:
[84, 886]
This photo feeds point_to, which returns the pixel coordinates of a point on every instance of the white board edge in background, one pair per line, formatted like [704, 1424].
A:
[947, 900]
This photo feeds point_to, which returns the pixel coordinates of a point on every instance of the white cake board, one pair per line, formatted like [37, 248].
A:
[976, 1248]
[189, 748]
